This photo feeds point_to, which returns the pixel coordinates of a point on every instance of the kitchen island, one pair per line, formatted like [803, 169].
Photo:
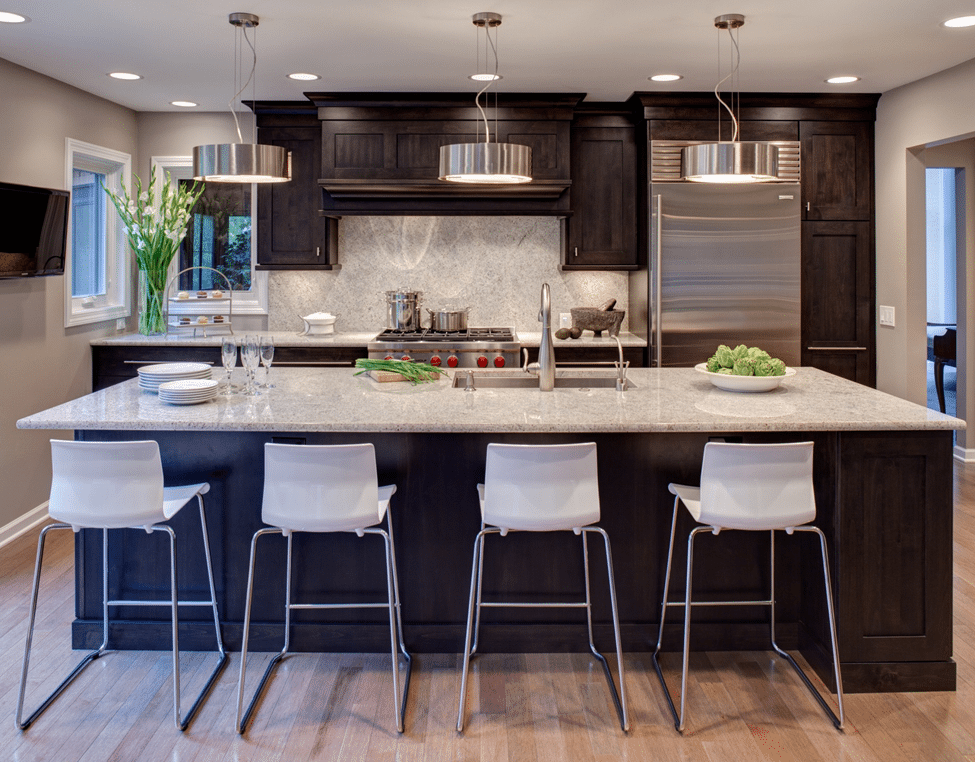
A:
[883, 479]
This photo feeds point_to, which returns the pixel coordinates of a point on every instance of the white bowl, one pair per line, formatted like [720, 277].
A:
[318, 323]
[743, 383]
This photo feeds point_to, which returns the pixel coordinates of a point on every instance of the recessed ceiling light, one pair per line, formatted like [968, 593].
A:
[485, 77]
[6, 17]
[183, 104]
[960, 22]
[124, 75]
[665, 77]
[302, 77]
[845, 80]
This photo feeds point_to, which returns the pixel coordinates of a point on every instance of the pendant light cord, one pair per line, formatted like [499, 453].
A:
[717, 87]
[477, 99]
[243, 28]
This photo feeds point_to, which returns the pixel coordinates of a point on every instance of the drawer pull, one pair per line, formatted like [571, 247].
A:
[837, 349]
[314, 364]
[160, 362]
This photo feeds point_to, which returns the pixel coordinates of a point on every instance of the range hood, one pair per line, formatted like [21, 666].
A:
[381, 152]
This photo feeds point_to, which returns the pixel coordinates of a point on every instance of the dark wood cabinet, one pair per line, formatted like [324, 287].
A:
[837, 299]
[601, 233]
[292, 234]
[380, 152]
[837, 170]
[114, 364]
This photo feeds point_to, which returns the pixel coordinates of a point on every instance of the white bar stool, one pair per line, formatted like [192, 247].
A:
[119, 485]
[754, 487]
[325, 488]
[541, 488]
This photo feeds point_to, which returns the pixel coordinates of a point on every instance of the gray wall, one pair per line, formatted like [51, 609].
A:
[913, 121]
[42, 363]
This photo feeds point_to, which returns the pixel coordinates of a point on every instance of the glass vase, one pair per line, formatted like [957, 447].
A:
[152, 319]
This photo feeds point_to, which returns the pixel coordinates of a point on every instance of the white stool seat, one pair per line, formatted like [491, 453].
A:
[751, 487]
[325, 488]
[540, 488]
[119, 485]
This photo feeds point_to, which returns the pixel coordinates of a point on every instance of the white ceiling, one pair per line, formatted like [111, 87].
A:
[606, 48]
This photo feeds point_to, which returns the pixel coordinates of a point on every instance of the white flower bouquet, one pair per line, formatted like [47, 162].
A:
[154, 234]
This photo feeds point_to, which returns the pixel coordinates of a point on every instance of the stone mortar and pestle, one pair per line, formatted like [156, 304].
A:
[595, 319]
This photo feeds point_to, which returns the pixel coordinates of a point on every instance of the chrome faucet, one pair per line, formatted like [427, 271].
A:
[546, 349]
[621, 368]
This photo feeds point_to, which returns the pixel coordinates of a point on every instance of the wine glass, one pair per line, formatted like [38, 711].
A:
[250, 353]
[267, 355]
[228, 355]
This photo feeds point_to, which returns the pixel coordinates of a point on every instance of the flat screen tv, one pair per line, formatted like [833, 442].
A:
[33, 230]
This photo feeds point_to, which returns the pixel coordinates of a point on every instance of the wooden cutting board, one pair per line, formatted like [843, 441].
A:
[383, 376]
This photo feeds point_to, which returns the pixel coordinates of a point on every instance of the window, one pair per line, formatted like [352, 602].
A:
[97, 266]
[221, 235]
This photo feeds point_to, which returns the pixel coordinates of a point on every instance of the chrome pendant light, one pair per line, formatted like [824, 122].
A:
[731, 161]
[242, 162]
[488, 162]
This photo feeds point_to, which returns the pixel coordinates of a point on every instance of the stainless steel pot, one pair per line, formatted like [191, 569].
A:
[449, 319]
[403, 310]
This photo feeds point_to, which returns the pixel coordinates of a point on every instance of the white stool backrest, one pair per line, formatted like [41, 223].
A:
[541, 487]
[320, 488]
[757, 486]
[106, 484]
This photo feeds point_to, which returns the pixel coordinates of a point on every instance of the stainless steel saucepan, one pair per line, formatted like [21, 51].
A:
[449, 319]
[403, 310]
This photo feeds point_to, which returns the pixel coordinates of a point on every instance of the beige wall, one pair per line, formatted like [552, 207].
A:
[41, 363]
[931, 111]
[163, 133]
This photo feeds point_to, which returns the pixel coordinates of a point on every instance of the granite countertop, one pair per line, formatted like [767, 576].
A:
[338, 339]
[661, 400]
[281, 339]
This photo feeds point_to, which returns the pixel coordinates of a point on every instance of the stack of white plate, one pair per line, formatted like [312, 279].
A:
[188, 391]
[151, 376]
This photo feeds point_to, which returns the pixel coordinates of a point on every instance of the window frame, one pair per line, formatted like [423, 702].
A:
[253, 302]
[117, 300]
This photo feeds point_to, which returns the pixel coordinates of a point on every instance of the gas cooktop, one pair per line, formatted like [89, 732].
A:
[468, 334]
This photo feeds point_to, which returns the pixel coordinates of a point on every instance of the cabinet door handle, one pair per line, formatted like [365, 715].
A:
[313, 364]
[159, 362]
[318, 251]
[808, 206]
[577, 251]
[837, 349]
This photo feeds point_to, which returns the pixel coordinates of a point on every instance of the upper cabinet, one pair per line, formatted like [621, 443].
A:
[837, 163]
[380, 152]
[601, 233]
[292, 233]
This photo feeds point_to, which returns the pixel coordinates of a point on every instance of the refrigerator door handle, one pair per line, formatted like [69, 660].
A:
[656, 354]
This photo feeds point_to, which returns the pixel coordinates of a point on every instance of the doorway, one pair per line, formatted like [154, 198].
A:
[943, 186]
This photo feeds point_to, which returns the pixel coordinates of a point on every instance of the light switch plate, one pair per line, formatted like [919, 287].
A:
[886, 316]
[565, 320]
[120, 324]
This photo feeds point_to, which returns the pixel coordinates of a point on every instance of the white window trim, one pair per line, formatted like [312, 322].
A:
[253, 302]
[117, 302]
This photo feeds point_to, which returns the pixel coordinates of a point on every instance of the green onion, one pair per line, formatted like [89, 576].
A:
[415, 372]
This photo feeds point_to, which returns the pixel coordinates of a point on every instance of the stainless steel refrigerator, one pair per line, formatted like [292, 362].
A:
[724, 268]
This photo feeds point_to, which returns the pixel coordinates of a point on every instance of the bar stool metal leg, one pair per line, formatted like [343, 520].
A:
[619, 698]
[473, 600]
[837, 721]
[665, 604]
[23, 724]
[401, 641]
[242, 722]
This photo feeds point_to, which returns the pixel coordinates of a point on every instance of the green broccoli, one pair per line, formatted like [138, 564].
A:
[778, 367]
[714, 364]
[743, 367]
[725, 356]
[764, 368]
[740, 352]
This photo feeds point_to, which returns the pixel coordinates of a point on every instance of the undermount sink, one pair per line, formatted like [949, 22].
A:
[524, 381]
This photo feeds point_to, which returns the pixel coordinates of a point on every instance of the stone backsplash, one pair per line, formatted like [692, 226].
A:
[494, 265]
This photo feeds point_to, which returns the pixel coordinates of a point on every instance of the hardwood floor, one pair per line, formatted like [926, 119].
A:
[742, 706]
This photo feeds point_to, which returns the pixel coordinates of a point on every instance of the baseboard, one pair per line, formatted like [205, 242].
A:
[23, 524]
[964, 454]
